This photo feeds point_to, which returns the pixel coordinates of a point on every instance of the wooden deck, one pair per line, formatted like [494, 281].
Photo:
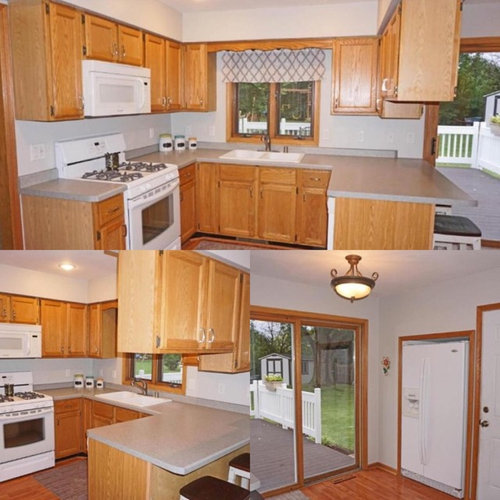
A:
[485, 189]
[272, 456]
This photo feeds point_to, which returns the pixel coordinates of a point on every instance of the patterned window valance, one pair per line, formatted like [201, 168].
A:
[284, 65]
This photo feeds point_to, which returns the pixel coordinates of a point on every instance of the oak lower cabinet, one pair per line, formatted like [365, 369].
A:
[185, 303]
[239, 359]
[277, 204]
[55, 223]
[103, 318]
[64, 327]
[68, 427]
[354, 75]
[187, 182]
[104, 414]
[237, 186]
[312, 212]
[207, 213]
[19, 309]
[47, 63]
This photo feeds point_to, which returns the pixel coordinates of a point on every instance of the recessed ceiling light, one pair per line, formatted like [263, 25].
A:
[66, 266]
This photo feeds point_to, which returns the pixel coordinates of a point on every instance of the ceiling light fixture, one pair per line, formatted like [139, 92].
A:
[66, 266]
[353, 285]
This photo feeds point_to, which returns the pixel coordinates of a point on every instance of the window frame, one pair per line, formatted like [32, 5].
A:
[273, 126]
[156, 383]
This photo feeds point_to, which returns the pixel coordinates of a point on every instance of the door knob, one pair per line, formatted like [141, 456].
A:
[484, 423]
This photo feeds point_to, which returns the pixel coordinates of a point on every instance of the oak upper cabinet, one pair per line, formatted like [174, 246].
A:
[155, 60]
[355, 75]
[277, 204]
[103, 319]
[46, 43]
[206, 197]
[64, 327]
[239, 359]
[108, 41]
[199, 78]
[237, 186]
[424, 67]
[312, 213]
[19, 309]
[68, 427]
[187, 180]
[174, 82]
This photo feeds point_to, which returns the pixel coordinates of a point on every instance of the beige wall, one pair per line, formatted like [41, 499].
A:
[480, 20]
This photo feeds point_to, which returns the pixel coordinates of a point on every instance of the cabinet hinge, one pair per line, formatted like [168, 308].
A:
[218, 184]
[461, 6]
[161, 252]
[157, 341]
[52, 110]
[241, 278]
[84, 50]
[297, 190]
[47, 8]
[98, 236]
[198, 225]
[83, 18]
[236, 363]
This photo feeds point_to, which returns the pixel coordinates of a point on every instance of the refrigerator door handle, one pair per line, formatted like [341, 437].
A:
[424, 396]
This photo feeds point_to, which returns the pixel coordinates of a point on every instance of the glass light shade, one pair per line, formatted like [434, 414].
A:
[352, 291]
[66, 266]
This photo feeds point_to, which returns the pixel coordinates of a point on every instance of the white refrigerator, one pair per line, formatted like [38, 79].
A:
[434, 413]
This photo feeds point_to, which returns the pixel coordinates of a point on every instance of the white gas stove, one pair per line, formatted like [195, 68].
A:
[26, 426]
[151, 197]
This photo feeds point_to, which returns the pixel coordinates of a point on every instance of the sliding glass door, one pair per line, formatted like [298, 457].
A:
[272, 428]
[328, 376]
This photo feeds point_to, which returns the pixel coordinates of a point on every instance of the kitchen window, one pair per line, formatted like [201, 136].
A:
[288, 112]
[164, 372]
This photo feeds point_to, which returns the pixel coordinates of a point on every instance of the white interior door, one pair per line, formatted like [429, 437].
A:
[488, 487]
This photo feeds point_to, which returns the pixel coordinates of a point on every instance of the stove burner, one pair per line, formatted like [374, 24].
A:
[86, 175]
[112, 175]
[5, 399]
[142, 166]
[29, 395]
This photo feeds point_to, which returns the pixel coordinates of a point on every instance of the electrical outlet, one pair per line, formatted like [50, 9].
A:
[410, 137]
[390, 138]
[211, 131]
[67, 372]
[37, 152]
[188, 131]
[113, 374]
[151, 133]
[361, 136]
[325, 134]
[221, 388]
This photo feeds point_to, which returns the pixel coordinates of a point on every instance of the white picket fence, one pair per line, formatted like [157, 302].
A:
[476, 146]
[287, 128]
[279, 407]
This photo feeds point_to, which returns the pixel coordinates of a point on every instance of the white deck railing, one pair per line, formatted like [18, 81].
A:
[279, 407]
[488, 155]
[286, 128]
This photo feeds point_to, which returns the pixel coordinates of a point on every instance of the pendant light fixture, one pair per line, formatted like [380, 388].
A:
[353, 285]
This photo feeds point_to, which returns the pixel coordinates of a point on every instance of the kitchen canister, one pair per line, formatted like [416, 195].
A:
[166, 143]
[192, 143]
[180, 143]
[78, 380]
[99, 383]
[89, 382]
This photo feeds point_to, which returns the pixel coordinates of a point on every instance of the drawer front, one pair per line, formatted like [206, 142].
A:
[109, 209]
[187, 174]
[286, 176]
[314, 178]
[102, 410]
[236, 173]
[66, 405]
[124, 415]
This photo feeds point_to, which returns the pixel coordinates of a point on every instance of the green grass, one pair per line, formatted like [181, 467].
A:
[337, 416]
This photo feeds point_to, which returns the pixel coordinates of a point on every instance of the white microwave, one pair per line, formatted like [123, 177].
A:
[20, 341]
[115, 89]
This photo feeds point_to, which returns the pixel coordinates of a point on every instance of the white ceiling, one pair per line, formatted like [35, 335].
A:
[197, 5]
[399, 271]
[89, 264]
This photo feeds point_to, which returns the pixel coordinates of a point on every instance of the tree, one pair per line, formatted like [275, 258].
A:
[478, 75]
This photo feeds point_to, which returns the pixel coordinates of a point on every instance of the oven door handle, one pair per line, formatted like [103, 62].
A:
[19, 417]
[138, 201]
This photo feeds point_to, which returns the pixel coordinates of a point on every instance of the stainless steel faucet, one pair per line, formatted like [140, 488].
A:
[140, 384]
[266, 139]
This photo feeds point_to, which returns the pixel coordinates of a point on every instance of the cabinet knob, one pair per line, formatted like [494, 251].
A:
[124, 52]
[201, 102]
[203, 336]
[114, 49]
[211, 333]
[484, 423]
[163, 101]
[13, 313]
[158, 341]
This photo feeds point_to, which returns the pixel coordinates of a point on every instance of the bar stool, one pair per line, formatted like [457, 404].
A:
[454, 231]
[240, 467]
[212, 488]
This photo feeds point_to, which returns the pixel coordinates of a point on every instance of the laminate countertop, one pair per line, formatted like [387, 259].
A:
[177, 437]
[391, 179]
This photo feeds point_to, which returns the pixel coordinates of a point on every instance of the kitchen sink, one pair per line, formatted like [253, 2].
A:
[132, 398]
[247, 154]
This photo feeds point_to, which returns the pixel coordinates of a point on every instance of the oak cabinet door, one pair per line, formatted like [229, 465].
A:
[187, 178]
[4, 308]
[154, 59]
[102, 329]
[100, 38]
[54, 321]
[111, 236]
[24, 310]
[77, 328]
[130, 45]
[65, 61]
[68, 427]
[174, 81]
[206, 197]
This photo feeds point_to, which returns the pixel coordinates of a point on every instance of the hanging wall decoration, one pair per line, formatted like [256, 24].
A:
[386, 365]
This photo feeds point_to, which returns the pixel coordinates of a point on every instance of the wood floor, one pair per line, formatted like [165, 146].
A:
[372, 485]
